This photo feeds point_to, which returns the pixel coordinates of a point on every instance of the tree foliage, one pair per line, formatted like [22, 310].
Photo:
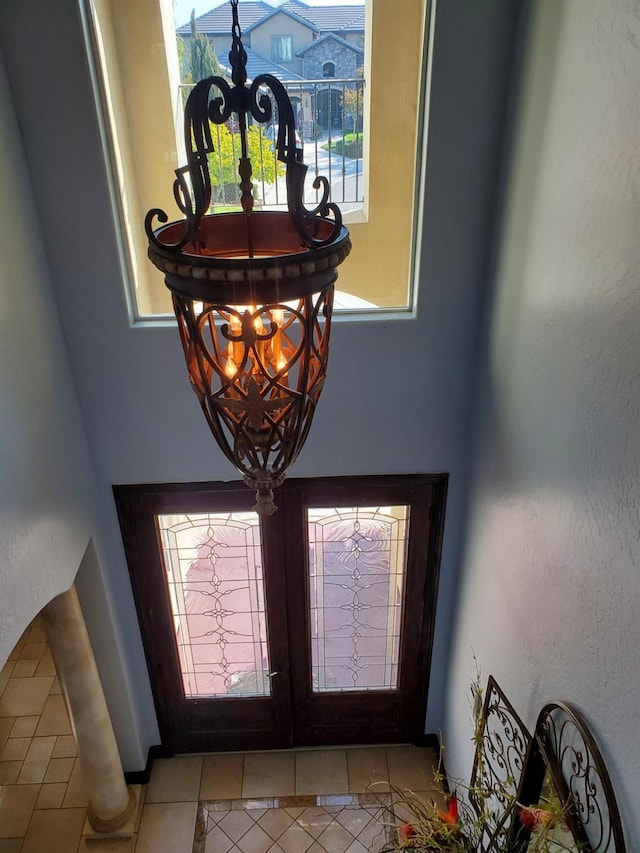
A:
[353, 103]
[353, 106]
[204, 62]
[223, 163]
[184, 60]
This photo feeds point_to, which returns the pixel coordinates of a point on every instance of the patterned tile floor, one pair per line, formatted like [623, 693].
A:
[295, 801]
[349, 823]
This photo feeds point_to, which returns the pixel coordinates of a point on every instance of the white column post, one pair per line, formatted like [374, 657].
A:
[111, 803]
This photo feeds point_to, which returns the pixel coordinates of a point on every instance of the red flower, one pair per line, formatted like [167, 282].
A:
[451, 815]
[531, 817]
[405, 833]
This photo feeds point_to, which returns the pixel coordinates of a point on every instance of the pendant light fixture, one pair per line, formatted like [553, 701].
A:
[252, 290]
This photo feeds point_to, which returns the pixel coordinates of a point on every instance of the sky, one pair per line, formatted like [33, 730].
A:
[182, 8]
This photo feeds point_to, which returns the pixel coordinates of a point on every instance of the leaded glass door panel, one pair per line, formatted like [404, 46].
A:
[356, 573]
[211, 605]
[313, 626]
[213, 566]
[362, 561]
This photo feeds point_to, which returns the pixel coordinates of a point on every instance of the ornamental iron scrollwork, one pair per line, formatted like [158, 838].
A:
[192, 186]
[565, 746]
[252, 290]
[258, 379]
[501, 751]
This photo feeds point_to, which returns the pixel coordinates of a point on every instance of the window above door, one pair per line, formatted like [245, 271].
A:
[138, 94]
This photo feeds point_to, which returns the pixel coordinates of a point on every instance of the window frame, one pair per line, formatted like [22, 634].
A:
[324, 69]
[282, 39]
[367, 237]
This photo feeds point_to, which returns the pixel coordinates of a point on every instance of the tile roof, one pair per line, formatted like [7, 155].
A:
[280, 10]
[218, 20]
[323, 18]
[330, 18]
[257, 64]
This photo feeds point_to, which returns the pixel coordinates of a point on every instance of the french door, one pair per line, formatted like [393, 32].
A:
[312, 626]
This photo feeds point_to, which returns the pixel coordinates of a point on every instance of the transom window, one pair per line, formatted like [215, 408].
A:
[356, 133]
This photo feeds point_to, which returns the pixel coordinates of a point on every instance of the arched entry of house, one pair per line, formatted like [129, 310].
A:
[296, 104]
[328, 108]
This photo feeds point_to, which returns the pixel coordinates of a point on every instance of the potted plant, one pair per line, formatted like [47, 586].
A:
[480, 818]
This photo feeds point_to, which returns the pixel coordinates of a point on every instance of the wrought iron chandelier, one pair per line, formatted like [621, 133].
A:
[253, 290]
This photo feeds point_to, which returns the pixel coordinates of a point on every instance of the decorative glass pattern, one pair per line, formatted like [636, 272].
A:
[357, 563]
[213, 565]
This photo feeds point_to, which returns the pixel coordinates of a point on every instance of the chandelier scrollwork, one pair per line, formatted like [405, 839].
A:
[193, 196]
[252, 291]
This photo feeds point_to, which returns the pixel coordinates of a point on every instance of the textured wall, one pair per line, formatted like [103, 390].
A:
[550, 596]
[398, 397]
[45, 474]
[48, 506]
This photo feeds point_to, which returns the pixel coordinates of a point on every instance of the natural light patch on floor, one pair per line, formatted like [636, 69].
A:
[348, 823]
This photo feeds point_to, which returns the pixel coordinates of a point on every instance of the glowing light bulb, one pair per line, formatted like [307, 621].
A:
[281, 362]
[277, 315]
[236, 329]
[230, 368]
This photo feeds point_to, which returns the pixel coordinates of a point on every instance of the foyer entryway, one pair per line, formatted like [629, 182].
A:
[297, 801]
[309, 627]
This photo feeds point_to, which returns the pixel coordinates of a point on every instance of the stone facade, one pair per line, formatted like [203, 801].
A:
[346, 60]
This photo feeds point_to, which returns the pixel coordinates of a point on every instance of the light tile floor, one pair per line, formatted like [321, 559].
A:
[323, 824]
[283, 802]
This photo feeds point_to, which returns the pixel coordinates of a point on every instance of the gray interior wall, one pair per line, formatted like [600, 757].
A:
[550, 595]
[398, 394]
[45, 473]
[50, 525]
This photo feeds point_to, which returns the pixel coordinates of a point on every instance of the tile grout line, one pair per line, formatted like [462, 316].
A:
[295, 774]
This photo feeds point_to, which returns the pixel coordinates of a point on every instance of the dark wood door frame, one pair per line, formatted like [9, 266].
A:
[319, 718]
[246, 723]
[375, 716]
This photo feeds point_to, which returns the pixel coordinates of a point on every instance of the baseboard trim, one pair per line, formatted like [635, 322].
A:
[141, 777]
[433, 741]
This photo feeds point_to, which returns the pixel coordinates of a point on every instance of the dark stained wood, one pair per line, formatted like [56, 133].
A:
[197, 725]
[293, 715]
[377, 716]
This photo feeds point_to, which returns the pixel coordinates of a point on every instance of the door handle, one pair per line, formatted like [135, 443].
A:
[275, 672]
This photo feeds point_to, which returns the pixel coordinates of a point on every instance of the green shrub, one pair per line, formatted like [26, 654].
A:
[349, 146]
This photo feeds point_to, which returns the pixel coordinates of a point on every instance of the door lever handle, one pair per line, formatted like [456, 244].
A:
[275, 672]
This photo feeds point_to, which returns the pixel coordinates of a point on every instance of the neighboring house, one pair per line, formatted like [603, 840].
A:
[331, 56]
[294, 41]
[258, 64]
[216, 25]
[280, 35]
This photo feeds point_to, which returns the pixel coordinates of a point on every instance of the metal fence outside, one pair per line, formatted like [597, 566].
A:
[329, 125]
